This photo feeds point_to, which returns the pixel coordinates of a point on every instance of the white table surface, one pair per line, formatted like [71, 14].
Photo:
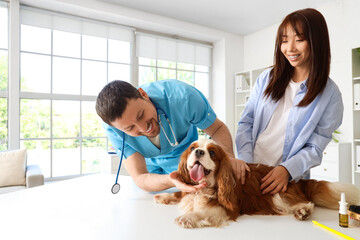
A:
[85, 208]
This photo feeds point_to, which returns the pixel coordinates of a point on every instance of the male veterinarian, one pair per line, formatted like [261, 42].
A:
[159, 121]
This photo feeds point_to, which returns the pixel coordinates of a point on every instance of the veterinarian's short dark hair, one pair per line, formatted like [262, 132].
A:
[112, 100]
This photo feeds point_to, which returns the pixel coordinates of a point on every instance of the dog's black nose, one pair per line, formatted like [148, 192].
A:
[199, 153]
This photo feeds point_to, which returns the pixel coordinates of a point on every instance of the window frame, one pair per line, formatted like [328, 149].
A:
[15, 94]
[66, 97]
[4, 94]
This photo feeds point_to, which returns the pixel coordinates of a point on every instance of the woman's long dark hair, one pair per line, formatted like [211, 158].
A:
[310, 24]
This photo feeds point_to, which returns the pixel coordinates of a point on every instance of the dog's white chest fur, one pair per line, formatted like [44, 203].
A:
[194, 202]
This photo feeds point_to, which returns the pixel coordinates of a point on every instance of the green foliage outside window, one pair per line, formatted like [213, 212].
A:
[3, 102]
[3, 72]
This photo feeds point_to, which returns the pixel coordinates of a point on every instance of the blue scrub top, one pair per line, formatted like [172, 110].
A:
[186, 108]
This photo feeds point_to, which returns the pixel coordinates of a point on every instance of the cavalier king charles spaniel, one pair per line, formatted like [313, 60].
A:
[225, 198]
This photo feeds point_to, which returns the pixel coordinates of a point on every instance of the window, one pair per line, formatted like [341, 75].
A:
[64, 63]
[151, 70]
[3, 77]
[164, 58]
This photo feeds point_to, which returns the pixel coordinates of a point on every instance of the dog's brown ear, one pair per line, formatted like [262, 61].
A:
[182, 168]
[226, 183]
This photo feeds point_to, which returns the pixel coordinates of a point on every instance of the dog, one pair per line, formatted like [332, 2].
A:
[224, 198]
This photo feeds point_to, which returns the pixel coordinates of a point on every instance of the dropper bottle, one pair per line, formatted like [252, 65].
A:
[343, 212]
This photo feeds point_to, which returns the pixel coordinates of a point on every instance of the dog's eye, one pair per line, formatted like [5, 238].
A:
[212, 153]
[192, 149]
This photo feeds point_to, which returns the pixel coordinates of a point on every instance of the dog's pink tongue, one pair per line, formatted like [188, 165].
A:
[197, 172]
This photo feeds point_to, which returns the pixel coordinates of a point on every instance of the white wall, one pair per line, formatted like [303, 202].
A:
[228, 49]
[228, 59]
[343, 19]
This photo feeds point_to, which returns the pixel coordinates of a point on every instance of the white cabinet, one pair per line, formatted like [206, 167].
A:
[244, 82]
[335, 165]
[356, 114]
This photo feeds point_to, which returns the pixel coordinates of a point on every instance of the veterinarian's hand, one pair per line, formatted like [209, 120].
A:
[175, 178]
[240, 167]
[275, 181]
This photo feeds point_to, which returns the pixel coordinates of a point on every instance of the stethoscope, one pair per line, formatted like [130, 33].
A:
[158, 109]
[116, 187]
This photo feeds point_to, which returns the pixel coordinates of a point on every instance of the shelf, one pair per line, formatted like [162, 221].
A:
[240, 105]
[356, 109]
[356, 140]
[243, 91]
[356, 79]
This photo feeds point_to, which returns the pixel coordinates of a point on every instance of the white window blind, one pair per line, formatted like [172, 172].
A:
[38, 18]
[158, 47]
[64, 63]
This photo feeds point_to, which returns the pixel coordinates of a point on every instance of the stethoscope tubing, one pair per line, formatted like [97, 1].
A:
[115, 189]
[121, 158]
[162, 127]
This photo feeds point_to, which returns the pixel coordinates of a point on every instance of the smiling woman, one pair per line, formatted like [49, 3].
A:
[296, 107]
[296, 49]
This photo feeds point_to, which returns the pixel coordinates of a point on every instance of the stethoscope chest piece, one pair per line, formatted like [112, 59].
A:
[115, 188]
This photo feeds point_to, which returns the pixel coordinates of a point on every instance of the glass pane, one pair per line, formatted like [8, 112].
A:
[34, 118]
[66, 118]
[94, 47]
[3, 124]
[3, 70]
[185, 66]
[66, 44]
[35, 73]
[93, 77]
[3, 28]
[35, 39]
[118, 72]
[166, 74]
[186, 76]
[3, 145]
[166, 64]
[66, 73]
[38, 152]
[66, 157]
[147, 61]
[202, 83]
[93, 152]
[119, 51]
[91, 122]
[200, 68]
[146, 75]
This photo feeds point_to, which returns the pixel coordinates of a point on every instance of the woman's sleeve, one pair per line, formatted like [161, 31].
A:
[244, 134]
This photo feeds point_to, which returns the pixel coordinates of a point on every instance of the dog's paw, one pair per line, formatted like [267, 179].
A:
[185, 221]
[304, 212]
[166, 198]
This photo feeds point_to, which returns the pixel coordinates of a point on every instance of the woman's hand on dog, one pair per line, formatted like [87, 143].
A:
[175, 178]
[240, 167]
[275, 181]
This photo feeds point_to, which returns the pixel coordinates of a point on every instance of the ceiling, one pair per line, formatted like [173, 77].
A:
[236, 16]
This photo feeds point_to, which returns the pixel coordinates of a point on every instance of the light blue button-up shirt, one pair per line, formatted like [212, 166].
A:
[309, 129]
[186, 108]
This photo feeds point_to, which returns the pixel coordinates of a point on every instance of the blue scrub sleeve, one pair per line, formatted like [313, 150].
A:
[199, 110]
